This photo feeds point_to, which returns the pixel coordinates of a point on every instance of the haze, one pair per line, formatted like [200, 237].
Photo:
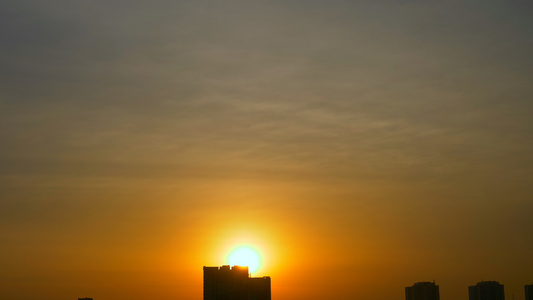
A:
[360, 146]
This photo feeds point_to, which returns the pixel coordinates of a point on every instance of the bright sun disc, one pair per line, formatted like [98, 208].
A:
[245, 256]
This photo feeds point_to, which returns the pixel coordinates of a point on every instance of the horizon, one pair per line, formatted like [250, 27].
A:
[357, 146]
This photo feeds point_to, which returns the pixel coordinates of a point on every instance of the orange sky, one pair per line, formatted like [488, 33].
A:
[360, 147]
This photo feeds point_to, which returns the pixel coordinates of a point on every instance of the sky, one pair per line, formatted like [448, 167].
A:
[359, 146]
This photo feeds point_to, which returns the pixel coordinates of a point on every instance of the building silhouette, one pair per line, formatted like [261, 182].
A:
[486, 290]
[529, 291]
[225, 283]
[422, 291]
[85, 298]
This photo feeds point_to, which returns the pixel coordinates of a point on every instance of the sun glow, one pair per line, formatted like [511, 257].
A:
[245, 256]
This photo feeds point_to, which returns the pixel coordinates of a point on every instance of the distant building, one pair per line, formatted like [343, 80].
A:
[85, 298]
[225, 283]
[529, 292]
[486, 290]
[422, 291]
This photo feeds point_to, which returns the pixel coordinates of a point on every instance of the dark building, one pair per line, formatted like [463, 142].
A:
[225, 283]
[422, 291]
[85, 298]
[486, 290]
[259, 288]
[529, 292]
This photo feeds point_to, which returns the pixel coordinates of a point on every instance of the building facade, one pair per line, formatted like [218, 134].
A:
[225, 283]
[529, 291]
[422, 291]
[486, 290]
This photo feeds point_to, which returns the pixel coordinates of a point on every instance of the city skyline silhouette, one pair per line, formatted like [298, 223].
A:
[234, 283]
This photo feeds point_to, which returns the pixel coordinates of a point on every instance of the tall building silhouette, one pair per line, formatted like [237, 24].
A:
[486, 290]
[529, 291]
[225, 283]
[422, 291]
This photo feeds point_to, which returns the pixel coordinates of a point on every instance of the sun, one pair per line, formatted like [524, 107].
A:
[245, 256]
